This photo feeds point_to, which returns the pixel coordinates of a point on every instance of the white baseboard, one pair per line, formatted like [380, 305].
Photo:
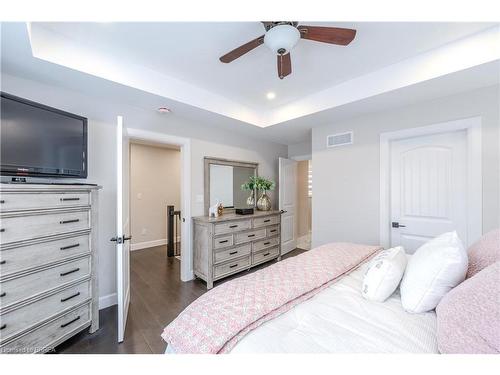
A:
[147, 244]
[108, 300]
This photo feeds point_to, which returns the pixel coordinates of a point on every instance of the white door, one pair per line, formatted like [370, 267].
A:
[288, 203]
[122, 227]
[428, 188]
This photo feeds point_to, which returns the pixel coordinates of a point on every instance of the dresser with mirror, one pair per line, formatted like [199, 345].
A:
[232, 243]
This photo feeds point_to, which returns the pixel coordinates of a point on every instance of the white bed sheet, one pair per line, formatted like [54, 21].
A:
[340, 320]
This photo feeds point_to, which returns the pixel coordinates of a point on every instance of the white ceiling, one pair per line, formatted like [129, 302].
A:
[190, 52]
[17, 60]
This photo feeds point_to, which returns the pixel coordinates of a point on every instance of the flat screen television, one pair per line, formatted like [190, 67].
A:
[41, 141]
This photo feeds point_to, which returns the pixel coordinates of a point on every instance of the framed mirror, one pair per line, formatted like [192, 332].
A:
[223, 180]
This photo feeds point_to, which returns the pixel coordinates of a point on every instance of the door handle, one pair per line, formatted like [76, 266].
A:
[395, 224]
[120, 240]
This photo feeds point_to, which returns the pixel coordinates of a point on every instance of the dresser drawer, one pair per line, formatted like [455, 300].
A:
[223, 241]
[265, 221]
[31, 201]
[231, 267]
[265, 255]
[19, 319]
[249, 236]
[266, 243]
[272, 231]
[21, 258]
[41, 338]
[232, 226]
[18, 228]
[235, 252]
[20, 288]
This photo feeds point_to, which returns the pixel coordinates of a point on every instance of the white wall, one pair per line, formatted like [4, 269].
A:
[346, 179]
[205, 141]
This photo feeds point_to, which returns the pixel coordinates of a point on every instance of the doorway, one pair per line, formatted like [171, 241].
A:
[124, 137]
[295, 200]
[155, 197]
[431, 183]
[304, 204]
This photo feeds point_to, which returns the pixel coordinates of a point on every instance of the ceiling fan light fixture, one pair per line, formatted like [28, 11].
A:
[282, 38]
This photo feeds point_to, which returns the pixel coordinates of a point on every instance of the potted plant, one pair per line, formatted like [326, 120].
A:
[261, 184]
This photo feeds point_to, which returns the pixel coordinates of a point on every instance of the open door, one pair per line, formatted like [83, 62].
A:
[288, 203]
[122, 227]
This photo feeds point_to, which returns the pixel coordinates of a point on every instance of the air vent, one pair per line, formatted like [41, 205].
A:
[340, 139]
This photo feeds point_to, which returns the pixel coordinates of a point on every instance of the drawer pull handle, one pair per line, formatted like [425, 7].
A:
[234, 265]
[224, 241]
[3, 294]
[267, 221]
[71, 321]
[72, 271]
[233, 226]
[70, 297]
[2, 201]
[266, 254]
[272, 231]
[69, 221]
[3, 326]
[3, 261]
[233, 252]
[2, 230]
[70, 246]
[69, 199]
[251, 235]
[267, 243]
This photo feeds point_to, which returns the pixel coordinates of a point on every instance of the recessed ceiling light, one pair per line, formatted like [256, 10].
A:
[271, 95]
[164, 110]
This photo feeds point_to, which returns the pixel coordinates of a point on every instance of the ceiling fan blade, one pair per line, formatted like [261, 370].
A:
[333, 35]
[241, 50]
[284, 65]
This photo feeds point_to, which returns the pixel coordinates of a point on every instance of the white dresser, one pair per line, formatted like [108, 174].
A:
[48, 265]
[233, 243]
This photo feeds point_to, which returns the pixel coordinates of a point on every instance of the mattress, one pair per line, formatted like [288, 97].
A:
[340, 320]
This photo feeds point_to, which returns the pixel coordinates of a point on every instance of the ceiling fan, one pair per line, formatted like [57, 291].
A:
[282, 36]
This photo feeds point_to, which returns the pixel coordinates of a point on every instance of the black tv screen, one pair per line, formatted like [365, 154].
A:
[37, 140]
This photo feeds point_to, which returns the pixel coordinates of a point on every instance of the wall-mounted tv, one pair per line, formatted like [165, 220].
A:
[41, 141]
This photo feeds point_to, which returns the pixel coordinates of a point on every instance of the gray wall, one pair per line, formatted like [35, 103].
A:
[205, 141]
[346, 179]
[300, 149]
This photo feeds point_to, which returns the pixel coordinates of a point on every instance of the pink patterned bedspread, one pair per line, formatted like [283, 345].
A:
[216, 321]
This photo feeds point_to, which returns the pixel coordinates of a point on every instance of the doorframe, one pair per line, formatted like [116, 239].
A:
[472, 126]
[185, 149]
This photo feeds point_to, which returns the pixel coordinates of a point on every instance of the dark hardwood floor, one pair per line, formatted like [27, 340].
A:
[157, 297]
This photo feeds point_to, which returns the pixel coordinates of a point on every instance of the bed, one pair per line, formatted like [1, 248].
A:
[338, 319]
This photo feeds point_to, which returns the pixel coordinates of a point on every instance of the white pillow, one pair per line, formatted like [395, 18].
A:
[383, 274]
[436, 267]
